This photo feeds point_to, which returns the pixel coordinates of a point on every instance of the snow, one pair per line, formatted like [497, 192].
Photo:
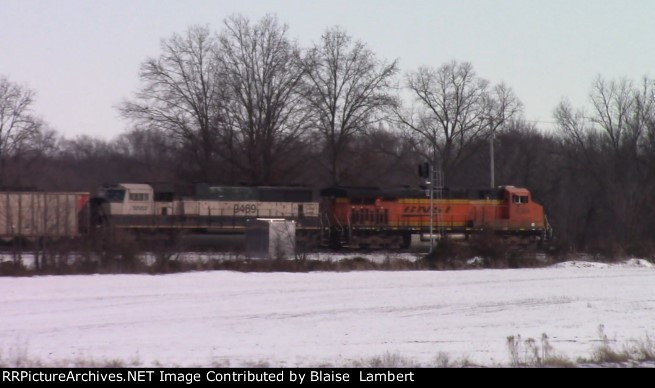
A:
[630, 263]
[379, 257]
[27, 258]
[371, 256]
[309, 319]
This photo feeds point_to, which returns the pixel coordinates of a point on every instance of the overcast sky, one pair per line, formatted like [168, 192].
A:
[82, 56]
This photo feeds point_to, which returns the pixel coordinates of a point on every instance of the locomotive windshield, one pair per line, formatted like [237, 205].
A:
[113, 195]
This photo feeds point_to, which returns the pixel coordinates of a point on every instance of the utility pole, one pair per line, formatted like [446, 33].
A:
[491, 152]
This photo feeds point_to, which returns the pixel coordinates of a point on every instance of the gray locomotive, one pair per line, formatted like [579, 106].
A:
[201, 207]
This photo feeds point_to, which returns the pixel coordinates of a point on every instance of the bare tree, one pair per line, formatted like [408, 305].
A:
[453, 112]
[644, 115]
[264, 77]
[153, 154]
[349, 89]
[20, 130]
[610, 137]
[182, 94]
[609, 146]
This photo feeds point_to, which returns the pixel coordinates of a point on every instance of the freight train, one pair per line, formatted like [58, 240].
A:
[354, 217]
[377, 218]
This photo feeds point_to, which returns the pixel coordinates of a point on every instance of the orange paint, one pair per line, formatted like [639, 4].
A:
[516, 212]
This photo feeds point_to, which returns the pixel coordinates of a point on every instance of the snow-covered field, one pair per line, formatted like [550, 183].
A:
[310, 319]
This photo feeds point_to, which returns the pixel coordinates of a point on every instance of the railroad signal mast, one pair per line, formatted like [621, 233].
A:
[434, 181]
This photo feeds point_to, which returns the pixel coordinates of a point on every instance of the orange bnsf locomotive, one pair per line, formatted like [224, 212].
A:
[376, 218]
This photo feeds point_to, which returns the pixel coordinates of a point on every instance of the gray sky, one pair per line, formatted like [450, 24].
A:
[82, 56]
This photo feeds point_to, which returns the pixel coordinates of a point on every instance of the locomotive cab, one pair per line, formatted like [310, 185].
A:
[127, 199]
[522, 213]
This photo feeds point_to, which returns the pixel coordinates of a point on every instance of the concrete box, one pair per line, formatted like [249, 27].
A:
[271, 238]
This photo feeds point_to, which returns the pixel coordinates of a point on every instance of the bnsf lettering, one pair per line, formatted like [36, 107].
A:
[245, 208]
[424, 209]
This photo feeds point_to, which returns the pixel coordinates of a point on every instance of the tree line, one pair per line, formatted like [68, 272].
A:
[248, 105]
